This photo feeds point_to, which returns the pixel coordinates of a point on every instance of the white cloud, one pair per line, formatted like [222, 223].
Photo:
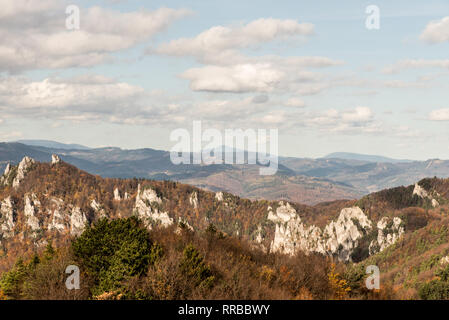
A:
[436, 31]
[357, 120]
[439, 115]
[359, 114]
[416, 63]
[295, 102]
[238, 78]
[216, 40]
[35, 36]
[226, 69]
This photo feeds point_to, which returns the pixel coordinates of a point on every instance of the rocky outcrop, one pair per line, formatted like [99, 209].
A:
[98, 208]
[219, 196]
[183, 224]
[422, 193]
[78, 221]
[147, 208]
[339, 238]
[194, 200]
[7, 218]
[57, 221]
[22, 169]
[388, 232]
[55, 159]
[32, 204]
[444, 260]
[117, 196]
[4, 177]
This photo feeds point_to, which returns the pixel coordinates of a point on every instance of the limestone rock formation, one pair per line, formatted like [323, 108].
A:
[22, 169]
[7, 218]
[388, 232]
[422, 193]
[55, 159]
[78, 221]
[339, 238]
[147, 208]
[98, 208]
[32, 204]
[117, 196]
[194, 200]
[219, 196]
[57, 221]
[4, 177]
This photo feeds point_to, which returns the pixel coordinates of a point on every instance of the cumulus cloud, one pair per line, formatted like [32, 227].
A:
[436, 31]
[226, 69]
[439, 115]
[85, 98]
[238, 78]
[35, 36]
[216, 40]
[295, 102]
[359, 119]
[416, 63]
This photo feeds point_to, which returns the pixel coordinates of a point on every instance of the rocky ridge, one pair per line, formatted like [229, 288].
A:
[281, 229]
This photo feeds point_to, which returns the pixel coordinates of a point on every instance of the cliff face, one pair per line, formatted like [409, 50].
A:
[40, 202]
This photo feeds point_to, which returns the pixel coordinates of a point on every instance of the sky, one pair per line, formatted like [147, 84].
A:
[134, 71]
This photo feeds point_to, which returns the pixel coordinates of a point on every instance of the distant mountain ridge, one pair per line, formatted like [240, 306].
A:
[302, 180]
[363, 157]
[53, 144]
[243, 180]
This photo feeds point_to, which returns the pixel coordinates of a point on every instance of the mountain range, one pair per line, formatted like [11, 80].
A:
[302, 180]
[403, 230]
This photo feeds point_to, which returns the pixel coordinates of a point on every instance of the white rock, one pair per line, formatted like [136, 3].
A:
[219, 196]
[30, 210]
[421, 192]
[338, 238]
[147, 211]
[7, 169]
[78, 222]
[7, 217]
[182, 221]
[57, 221]
[386, 238]
[444, 260]
[55, 159]
[194, 200]
[23, 167]
[435, 203]
[117, 195]
[98, 208]
[95, 205]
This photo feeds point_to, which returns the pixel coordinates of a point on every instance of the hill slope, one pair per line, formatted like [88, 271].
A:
[43, 203]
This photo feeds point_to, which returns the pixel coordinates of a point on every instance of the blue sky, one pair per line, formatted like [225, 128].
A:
[136, 70]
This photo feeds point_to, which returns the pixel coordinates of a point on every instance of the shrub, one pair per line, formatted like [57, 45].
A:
[434, 290]
[193, 266]
[12, 281]
[112, 251]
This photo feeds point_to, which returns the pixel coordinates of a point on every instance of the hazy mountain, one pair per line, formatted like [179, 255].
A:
[243, 180]
[362, 157]
[301, 180]
[52, 144]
